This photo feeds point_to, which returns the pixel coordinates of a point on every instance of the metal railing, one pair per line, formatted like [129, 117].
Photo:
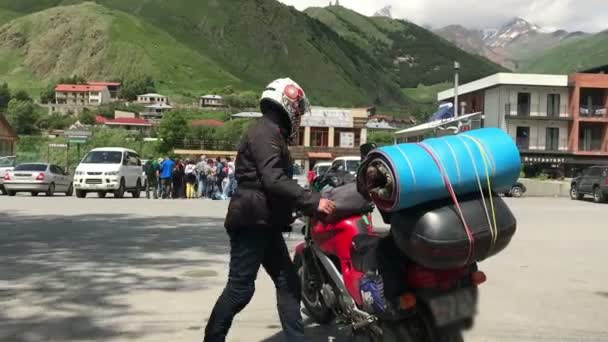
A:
[595, 145]
[542, 144]
[593, 111]
[526, 111]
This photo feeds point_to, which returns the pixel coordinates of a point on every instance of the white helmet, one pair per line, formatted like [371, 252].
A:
[287, 95]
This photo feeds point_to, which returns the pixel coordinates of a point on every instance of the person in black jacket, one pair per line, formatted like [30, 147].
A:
[261, 208]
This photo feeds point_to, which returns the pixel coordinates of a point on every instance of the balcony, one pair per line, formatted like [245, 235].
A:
[559, 145]
[535, 112]
[593, 111]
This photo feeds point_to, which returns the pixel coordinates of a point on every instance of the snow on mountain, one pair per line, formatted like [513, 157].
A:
[518, 27]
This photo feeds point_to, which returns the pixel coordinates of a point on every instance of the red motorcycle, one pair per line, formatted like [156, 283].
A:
[339, 261]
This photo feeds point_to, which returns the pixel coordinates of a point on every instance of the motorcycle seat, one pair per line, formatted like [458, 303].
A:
[364, 256]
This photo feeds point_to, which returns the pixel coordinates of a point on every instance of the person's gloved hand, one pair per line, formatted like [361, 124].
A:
[326, 206]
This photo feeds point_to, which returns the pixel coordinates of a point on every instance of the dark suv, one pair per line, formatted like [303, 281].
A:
[594, 181]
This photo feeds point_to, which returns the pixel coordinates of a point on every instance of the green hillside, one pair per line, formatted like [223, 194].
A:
[7, 15]
[44, 46]
[256, 40]
[413, 53]
[580, 54]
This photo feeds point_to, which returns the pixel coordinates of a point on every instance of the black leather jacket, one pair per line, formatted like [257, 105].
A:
[265, 195]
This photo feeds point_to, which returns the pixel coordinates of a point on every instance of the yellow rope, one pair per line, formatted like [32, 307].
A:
[485, 164]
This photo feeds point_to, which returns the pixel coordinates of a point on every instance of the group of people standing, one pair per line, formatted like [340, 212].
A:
[189, 178]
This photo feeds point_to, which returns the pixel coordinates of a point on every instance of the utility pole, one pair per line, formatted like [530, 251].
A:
[456, 104]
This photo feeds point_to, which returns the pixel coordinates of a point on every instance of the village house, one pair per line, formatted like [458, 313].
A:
[211, 101]
[148, 99]
[8, 138]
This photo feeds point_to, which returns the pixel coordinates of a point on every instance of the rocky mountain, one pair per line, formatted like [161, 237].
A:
[512, 44]
[414, 55]
[509, 32]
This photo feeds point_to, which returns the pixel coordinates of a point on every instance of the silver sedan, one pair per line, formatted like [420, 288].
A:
[36, 178]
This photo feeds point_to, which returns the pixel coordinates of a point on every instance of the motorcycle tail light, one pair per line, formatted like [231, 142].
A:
[419, 277]
[407, 301]
[478, 278]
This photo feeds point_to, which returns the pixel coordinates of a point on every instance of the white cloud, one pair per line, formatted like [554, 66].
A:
[585, 15]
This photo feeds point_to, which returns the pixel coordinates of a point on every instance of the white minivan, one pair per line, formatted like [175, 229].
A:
[109, 169]
[348, 164]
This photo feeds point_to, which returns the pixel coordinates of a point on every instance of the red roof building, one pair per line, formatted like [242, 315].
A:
[207, 123]
[128, 122]
[106, 84]
[80, 95]
[113, 87]
[79, 88]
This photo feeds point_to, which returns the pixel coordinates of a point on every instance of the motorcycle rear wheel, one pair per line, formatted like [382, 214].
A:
[312, 298]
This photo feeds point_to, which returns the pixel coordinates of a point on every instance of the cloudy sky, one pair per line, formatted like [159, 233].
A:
[585, 15]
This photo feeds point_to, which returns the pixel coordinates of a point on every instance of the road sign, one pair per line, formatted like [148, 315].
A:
[78, 140]
[77, 133]
[58, 145]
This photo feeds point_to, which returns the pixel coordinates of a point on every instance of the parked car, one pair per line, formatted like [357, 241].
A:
[36, 178]
[593, 181]
[517, 190]
[348, 164]
[144, 177]
[109, 169]
[6, 164]
[320, 168]
[300, 176]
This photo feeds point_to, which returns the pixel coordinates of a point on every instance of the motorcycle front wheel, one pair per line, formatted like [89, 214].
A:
[311, 294]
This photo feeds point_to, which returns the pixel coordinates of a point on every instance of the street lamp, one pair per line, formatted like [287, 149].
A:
[456, 104]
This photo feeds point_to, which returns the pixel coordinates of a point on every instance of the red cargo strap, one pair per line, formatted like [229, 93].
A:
[450, 189]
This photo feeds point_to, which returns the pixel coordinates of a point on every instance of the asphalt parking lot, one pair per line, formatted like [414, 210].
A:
[150, 270]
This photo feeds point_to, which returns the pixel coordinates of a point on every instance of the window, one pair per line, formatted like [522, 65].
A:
[553, 105]
[31, 167]
[552, 139]
[594, 172]
[7, 162]
[300, 137]
[338, 165]
[352, 165]
[522, 138]
[523, 104]
[103, 157]
[590, 137]
[53, 169]
[319, 136]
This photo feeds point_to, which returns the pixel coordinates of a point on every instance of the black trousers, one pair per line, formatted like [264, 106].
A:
[250, 248]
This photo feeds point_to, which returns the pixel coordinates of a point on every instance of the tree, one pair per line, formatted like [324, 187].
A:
[47, 95]
[23, 116]
[173, 129]
[55, 121]
[380, 138]
[5, 96]
[86, 118]
[22, 95]
[137, 86]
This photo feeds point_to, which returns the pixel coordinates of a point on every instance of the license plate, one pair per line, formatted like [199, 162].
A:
[453, 307]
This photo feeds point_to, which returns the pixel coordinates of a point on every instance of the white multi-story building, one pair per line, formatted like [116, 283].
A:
[152, 99]
[81, 95]
[556, 120]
